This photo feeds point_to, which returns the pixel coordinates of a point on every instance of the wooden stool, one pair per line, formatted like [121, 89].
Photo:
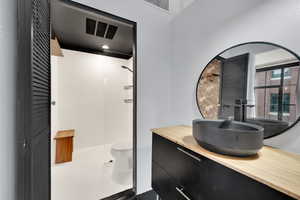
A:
[64, 146]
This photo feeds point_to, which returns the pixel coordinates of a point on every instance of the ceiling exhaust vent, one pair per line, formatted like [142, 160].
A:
[90, 26]
[164, 4]
[101, 29]
[104, 30]
[111, 32]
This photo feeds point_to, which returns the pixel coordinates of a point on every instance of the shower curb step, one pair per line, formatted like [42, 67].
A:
[125, 195]
[130, 195]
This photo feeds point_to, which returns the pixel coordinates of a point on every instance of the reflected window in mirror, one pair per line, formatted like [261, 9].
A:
[276, 74]
[277, 88]
[274, 103]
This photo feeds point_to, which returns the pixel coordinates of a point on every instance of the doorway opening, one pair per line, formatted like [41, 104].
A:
[93, 103]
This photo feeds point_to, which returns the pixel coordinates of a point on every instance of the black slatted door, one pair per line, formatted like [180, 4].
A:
[233, 83]
[34, 34]
[39, 136]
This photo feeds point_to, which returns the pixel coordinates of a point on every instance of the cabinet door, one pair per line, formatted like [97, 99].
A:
[187, 168]
[165, 186]
[227, 184]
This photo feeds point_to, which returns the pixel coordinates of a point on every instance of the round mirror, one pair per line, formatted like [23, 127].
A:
[256, 82]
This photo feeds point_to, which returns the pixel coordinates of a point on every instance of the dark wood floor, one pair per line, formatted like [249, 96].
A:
[150, 195]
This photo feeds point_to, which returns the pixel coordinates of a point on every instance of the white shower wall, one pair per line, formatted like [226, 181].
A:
[90, 98]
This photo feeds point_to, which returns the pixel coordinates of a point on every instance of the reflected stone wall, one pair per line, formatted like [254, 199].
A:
[209, 90]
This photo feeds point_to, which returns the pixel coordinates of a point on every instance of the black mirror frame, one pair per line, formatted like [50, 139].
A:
[256, 42]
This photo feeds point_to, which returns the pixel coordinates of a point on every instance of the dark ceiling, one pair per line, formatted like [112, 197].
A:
[82, 30]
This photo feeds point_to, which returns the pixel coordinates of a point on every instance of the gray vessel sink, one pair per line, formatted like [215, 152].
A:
[228, 137]
[271, 127]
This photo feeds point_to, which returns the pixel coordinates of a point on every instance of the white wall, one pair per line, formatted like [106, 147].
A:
[216, 25]
[8, 56]
[176, 6]
[54, 108]
[153, 59]
[89, 93]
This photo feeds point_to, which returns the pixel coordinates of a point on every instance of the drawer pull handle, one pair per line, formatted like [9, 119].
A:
[182, 193]
[188, 154]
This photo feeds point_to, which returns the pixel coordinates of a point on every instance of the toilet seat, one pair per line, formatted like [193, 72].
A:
[123, 146]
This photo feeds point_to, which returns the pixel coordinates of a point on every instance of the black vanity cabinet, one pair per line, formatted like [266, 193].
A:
[178, 173]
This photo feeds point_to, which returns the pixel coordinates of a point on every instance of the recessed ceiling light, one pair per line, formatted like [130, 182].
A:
[105, 46]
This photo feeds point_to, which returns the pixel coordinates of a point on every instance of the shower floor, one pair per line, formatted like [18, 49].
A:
[87, 177]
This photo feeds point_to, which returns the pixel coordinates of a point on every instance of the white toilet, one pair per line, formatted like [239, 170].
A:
[122, 169]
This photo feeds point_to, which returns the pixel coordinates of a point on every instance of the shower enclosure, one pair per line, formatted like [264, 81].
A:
[93, 96]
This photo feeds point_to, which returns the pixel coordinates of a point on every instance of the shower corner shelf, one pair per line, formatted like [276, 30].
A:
[128, 100]
[128, 87]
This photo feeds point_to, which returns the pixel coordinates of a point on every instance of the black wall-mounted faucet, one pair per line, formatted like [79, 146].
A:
[240, 110]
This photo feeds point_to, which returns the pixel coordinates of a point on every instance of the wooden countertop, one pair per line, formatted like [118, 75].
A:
[278, 169]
